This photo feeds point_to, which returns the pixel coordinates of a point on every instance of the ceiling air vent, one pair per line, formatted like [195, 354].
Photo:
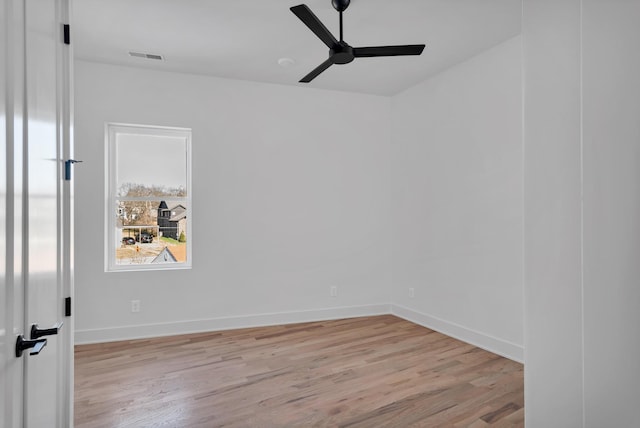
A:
[146, 55]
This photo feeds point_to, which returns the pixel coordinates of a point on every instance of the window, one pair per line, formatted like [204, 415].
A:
[148, 192]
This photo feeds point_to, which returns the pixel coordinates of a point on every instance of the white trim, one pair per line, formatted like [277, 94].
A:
[582, 317]
[66, 223]
[11, 140]
[111, 132]
[225, 323]
[481, 340]
[498, 346]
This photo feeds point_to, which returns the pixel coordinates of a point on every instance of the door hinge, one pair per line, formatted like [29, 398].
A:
[67, 34]
[67, 307]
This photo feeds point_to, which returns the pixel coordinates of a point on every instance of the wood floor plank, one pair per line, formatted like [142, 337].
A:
[377, 371]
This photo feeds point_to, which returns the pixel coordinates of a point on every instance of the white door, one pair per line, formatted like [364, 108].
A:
[11, 296]
[37, 388]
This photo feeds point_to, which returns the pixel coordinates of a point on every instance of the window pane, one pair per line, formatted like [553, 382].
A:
[151, 232]
[150, 165]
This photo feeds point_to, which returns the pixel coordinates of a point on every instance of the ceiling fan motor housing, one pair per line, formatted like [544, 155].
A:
[341, 53]
[340, 5]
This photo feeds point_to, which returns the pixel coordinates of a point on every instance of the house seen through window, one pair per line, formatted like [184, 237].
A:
[148, 197]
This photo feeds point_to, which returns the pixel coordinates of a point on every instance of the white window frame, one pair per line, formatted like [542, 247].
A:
[111, 131]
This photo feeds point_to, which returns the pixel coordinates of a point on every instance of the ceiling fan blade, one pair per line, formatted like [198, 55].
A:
[388, 51]
[311, 20]
[316, 71]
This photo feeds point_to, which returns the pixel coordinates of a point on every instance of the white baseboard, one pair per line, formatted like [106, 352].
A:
[225, 323]
[481, 340]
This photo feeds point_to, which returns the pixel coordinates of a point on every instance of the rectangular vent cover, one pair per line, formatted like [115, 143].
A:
[146, 55]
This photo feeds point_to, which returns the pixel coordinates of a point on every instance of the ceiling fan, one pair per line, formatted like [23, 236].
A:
[340, 52]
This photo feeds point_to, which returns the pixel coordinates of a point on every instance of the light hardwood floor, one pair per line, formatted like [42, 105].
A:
[363, 372]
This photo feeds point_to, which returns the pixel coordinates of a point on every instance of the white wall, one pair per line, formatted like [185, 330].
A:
[582, 228]
[611, 124]
[457, 200]
[553, 299]
[296, 190]
[290, 197]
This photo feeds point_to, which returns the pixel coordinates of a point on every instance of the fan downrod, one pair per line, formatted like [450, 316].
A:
[340, 5]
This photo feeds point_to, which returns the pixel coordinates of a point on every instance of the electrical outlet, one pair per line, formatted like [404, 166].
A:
[333, 291]
[412, 292]
[135, 306]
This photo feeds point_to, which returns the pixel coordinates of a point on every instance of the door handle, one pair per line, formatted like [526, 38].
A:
[36, 332]
[23, 344]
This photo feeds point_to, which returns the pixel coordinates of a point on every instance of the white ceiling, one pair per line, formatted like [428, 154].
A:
[243, 39]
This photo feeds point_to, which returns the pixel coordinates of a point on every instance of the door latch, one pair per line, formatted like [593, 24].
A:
[67, 168]
[23, 344]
